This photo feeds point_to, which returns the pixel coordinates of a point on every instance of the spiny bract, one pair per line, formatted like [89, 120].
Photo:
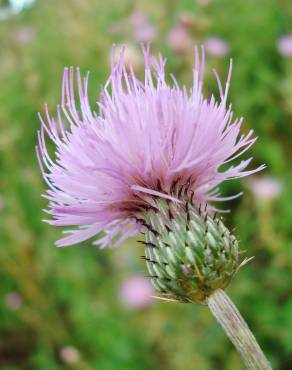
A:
[188, 253]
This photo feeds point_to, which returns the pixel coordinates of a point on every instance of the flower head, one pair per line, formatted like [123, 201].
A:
[69, 355]
[265, 188]
[285, 45]
[142, 29]
[24, 35]
[148, 139]
[13, 300]
[179, 39]
[216, 47]
[136, 292]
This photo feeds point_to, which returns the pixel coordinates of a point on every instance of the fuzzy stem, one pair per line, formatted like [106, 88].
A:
[237, 330]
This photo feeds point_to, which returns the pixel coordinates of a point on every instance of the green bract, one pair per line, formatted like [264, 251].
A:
[189, 254]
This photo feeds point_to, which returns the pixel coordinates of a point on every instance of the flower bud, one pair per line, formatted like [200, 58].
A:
[188, 253]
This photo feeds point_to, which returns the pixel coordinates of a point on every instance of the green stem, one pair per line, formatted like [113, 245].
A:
[237, 330]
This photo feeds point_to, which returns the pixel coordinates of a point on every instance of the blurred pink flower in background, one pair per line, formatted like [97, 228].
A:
[2, 203]
[204, 2]
[285, 45]
[24, 35]
[179, 39]
[142, 29]
[185, 19]
[69, 355]
[216, 47]
[13, 300]
[264, 187]
[136, 292]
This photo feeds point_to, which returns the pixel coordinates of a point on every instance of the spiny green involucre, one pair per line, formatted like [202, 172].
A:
[189, 254]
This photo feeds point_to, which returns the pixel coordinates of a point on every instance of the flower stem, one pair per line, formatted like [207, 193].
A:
[237, 330]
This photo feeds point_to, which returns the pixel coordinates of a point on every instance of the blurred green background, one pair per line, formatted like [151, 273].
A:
[67, 308]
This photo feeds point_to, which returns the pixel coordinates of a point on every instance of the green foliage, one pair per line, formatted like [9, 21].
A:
[70, 297]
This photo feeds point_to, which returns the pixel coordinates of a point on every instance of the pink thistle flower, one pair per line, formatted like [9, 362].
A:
[69, 355]
[285, 45]
[204, 3]
[13, 300]
[24, 35]
[136, 292]
[142, 29]
[148, 139]
[2, 202]
[265, 187]
[216, 47]
[179, 39]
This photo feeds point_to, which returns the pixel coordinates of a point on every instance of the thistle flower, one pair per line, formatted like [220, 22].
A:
[265, 188]
[24, 35]
[285, 45]
[13, 300]
[136, 292]
[148, 140]
[216, 46]
[142, 29]
[2, 202]
[69, 355]
[179, 39]
[151, 160]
